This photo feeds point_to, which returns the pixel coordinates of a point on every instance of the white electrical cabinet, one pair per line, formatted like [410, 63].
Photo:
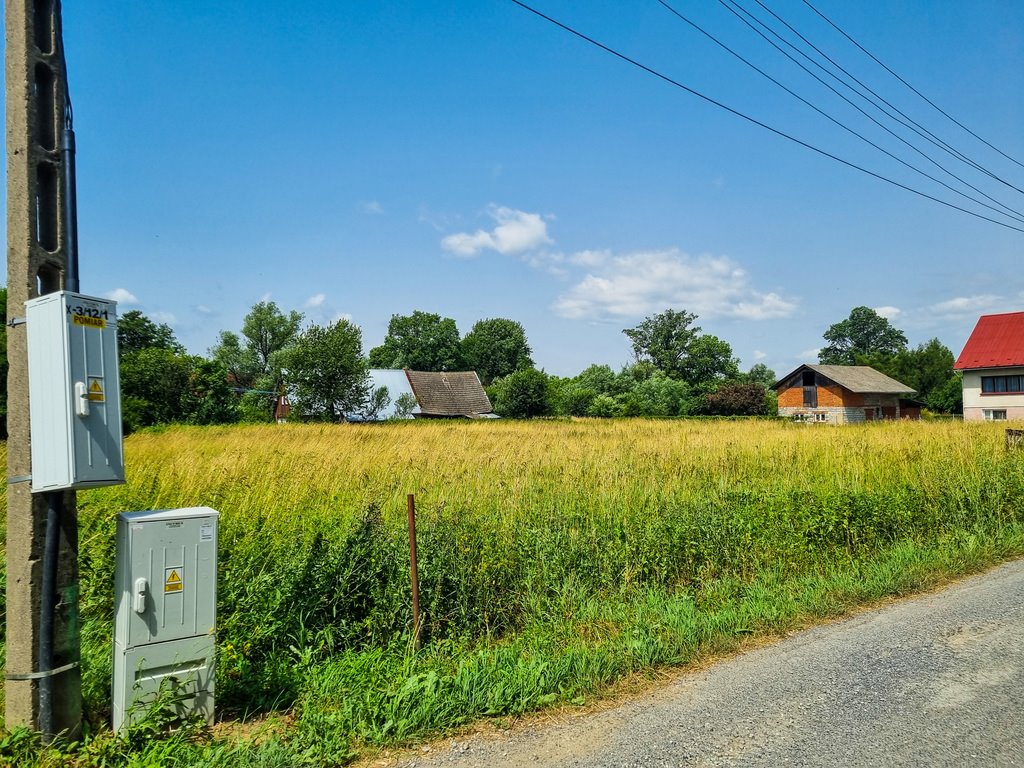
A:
[74, 392]
[165, 611]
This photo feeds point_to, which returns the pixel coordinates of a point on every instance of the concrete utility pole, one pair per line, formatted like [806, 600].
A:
[38, 239]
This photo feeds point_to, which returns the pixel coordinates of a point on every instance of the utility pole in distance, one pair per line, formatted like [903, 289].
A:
[38, 237]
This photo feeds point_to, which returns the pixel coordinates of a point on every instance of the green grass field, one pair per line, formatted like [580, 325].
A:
[556, 558]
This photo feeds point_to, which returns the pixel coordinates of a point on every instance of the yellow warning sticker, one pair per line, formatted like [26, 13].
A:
[96, 391]
[172, 580]
[89, 322]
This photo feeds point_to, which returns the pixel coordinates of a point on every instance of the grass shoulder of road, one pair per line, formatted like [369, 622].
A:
[608, 649]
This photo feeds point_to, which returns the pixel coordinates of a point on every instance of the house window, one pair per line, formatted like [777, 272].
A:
[821, 417]
[995, 415]
[999, 384]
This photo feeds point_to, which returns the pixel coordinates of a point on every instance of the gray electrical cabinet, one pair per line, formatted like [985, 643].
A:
[165, 611]
[74, 392]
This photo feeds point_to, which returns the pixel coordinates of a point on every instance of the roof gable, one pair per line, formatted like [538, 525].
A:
[452, 393]
[862, 379]
[997, 341]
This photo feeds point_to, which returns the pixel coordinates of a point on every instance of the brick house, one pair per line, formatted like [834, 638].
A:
[992, 363]
[843, 394]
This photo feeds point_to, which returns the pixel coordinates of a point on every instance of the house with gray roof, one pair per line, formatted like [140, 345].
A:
[843, 394]
[444, 394]
[450, 394]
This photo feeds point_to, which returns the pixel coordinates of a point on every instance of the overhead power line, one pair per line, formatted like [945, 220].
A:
[750, 20]
[753, 120]
[931, 103]
[1014, 214]
[907, 121]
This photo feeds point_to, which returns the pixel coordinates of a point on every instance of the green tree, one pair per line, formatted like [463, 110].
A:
[710, 361]
[864, 332]
[327, 372]
[154, 387]
[928, 369]
[760, 373]
[268, 331]
[522, 394]
[238, 360]
[209, 398]
[135, 331]
[421, 341]
[599, 378]
[496, 348]
[664, 340]
[676, 347]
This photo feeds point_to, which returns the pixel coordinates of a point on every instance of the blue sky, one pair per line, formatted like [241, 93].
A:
[362, 159]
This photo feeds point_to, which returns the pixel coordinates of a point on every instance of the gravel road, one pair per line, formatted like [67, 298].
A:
[936, 680]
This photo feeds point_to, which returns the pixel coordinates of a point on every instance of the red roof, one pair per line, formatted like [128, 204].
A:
[997, 341]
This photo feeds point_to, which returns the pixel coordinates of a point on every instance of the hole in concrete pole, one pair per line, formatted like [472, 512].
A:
[43, 91]
[46, 206]
[47, 279]
[42, 25]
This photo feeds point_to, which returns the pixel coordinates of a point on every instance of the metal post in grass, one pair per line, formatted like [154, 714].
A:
[414, 574]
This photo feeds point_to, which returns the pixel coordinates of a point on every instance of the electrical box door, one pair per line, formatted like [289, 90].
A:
[74, 392]
[165, 610]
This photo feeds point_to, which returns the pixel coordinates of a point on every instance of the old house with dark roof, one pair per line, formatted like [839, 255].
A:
[843, 394]
[992, 363]
[449, 394]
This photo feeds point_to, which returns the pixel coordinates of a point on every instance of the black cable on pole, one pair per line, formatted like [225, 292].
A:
[935, 106]
[1013, 214]
[756, 122]
[742, 12]
[913, 125]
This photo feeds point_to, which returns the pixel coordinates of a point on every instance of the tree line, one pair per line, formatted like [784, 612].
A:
[677, 369]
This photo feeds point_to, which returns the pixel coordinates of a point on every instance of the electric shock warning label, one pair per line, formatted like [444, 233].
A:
[173, 580]
[95, 393]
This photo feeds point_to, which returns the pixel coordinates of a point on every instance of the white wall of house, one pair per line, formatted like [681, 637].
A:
[997, 406]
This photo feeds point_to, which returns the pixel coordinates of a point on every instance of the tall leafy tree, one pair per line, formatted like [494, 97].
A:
[664, 340]
[495, 348]
[760, 373]
[237, 360]
[864, 332]
[327, 372]
[267, 331]
[678, 348]
[135, 331]
[421, 341]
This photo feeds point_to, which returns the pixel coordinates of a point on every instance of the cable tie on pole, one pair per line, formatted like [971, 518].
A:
[41, 675]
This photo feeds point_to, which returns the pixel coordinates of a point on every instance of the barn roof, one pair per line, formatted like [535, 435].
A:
[449, 393]
[857, 378]
[997, 341]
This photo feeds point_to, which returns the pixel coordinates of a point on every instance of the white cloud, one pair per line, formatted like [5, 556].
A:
[590, 258]
[640, 283]
[373, 207]
[759, 355]
[889, 313]
[163, 317]
[202, 309]
[342, 316]
[316, 300]
[810, 354]
[516, 232]
[122, 296]
[965, 305]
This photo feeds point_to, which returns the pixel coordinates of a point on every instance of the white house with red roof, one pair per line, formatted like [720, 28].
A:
[993, 367]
